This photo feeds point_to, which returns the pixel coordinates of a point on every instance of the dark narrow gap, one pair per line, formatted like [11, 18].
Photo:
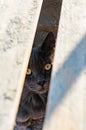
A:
[33, 102]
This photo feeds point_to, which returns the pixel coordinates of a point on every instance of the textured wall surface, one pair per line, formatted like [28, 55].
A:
[18, 21]
[66, 109]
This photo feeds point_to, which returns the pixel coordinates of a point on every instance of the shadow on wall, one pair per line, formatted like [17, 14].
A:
[66, 76]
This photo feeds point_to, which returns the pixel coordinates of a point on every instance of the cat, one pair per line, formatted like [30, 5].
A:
[33, 102]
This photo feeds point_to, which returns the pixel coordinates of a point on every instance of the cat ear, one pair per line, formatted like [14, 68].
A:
[49, 42]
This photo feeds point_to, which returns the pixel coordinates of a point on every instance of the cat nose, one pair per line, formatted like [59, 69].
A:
[41, 82]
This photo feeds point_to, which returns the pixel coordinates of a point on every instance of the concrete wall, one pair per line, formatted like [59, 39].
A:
[67, 97]
[18, 21]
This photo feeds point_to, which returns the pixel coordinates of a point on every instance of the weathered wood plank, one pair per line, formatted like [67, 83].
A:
[18, 21]
[66, 102]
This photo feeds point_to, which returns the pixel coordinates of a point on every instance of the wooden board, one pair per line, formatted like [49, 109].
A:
[18, 21]
[66, 101]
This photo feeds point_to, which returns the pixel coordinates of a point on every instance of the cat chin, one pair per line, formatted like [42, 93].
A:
[42, 91]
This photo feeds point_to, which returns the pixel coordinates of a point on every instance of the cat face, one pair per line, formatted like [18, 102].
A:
[36, 86]
[40, 66]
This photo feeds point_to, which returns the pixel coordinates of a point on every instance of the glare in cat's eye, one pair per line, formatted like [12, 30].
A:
[29, 71]
[47, 66]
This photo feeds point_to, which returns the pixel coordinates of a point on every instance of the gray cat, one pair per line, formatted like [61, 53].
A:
[33, 102]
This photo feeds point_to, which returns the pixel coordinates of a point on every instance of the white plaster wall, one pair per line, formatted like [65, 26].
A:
[18, 21]
[67, 97]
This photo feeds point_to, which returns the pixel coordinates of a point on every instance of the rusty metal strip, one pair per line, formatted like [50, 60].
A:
[49, 28]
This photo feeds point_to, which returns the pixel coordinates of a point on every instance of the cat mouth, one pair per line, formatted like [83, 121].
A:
[44, 89]
[41, 90]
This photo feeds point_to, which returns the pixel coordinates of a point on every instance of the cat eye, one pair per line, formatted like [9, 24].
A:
[29, 71]
[47, 66]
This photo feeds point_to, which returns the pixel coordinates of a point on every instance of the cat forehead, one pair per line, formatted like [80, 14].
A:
[36, 60]
[39, 57]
